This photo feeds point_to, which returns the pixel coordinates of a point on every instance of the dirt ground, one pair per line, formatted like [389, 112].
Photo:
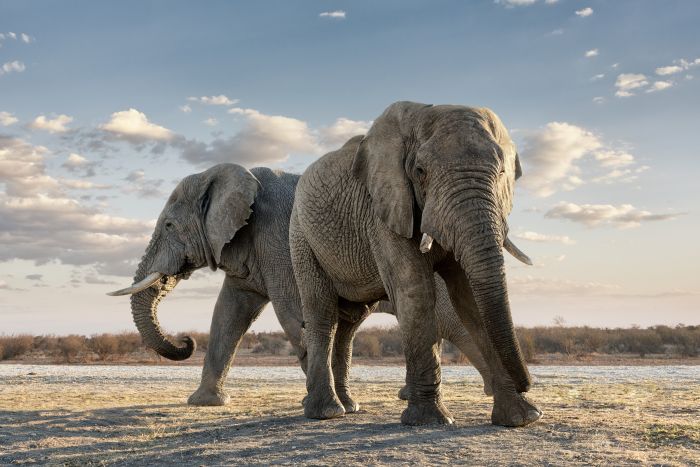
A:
[108, 420]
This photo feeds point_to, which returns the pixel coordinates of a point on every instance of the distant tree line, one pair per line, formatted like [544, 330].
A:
[680, 341]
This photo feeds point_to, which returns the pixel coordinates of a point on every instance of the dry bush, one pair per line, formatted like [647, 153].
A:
[70, 346]
[271, 343]
[15, 346]
[104, 345]
[129, 342]
[367, 345]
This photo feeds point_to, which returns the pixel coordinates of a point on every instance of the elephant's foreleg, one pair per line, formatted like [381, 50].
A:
[510, 407]
[342, 359]
[234, 312]
[409, 284]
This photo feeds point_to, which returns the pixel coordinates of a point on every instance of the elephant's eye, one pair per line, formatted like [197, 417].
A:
[169, 225]
[420, 173]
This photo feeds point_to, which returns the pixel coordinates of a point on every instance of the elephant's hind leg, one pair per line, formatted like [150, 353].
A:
[320, 310]
[234, 312]
[342, 357]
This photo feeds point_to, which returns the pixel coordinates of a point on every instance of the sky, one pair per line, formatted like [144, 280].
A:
[105, 106]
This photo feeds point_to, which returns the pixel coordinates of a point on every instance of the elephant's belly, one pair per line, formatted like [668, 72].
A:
[352, 269]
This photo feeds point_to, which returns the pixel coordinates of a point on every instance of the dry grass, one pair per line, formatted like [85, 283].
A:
[112, 422]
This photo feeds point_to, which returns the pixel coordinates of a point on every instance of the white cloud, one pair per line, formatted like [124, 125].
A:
[214, 100]
[26, 38]
[614, 159]
[7, 119]
[185, 108]
[668, 70]
[628, 82]
[263, 140]
[78, 164]
[556, 32]
[337, 14]
[211, 121]
[343, 129]
[39, 221]
[550, 158]
[591, 53]
[12, 67]
[531, 285]
[133, 126]
[56, 125]
[659, 86]
[143, 187]
[679, 65]
[597, 77]
[549, 154]
[12, 35]
[544, 238]
[599, 100]
[595, 215]
[584, 12]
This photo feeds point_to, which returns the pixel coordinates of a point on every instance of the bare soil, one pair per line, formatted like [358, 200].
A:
[144, 421]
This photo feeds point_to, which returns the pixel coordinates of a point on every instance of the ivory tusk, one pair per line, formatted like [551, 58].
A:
[426, 243]
[515, 251]
[145, 283]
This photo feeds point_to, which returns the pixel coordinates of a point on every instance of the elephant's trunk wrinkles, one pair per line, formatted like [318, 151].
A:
[144, 308]
[476, 238]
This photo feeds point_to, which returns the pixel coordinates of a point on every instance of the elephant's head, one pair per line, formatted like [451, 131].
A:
[447, 172]
[203, 214]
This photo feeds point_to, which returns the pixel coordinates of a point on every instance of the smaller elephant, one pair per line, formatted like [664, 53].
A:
[237, 220]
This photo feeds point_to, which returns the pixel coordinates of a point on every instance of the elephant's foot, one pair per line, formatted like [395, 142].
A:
[205, 397]
[323, 406]
[348, 402]
[513, 409]
[403, 393]
[426, 413]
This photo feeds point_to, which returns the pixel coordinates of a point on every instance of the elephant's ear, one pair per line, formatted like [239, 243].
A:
[225, 204]
[379, 165]
[518, 168]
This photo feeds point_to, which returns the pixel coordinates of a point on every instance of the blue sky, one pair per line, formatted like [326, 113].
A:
[105, 106]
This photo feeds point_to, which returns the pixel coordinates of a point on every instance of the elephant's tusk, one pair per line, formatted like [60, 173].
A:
[515, 251]
[145, 283]
[426, 243]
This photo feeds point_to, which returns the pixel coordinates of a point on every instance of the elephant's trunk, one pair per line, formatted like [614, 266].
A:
[144, 308]
[474, 233]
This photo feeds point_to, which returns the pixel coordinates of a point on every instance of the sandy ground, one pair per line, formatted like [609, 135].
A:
[137, 415]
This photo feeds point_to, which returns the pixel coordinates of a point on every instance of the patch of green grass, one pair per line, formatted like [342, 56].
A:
[673, 434]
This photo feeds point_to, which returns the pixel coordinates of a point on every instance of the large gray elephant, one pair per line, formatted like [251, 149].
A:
[428, 189]
[238, 220]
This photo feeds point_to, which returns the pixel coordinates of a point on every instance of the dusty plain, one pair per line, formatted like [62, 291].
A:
[136, 415]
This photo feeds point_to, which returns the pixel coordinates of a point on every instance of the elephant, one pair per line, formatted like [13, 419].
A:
[427, 190]
[238, 220]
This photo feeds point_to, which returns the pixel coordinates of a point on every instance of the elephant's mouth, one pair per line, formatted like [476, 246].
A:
[155, 278]
[426, 244]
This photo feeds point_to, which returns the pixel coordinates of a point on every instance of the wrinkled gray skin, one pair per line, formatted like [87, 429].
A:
[204, 213]
[359, 214]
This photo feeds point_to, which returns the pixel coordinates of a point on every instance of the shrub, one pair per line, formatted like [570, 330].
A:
[270, 343]
[15, 346]
[104, 345]
[367, 345]
[70, 346]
